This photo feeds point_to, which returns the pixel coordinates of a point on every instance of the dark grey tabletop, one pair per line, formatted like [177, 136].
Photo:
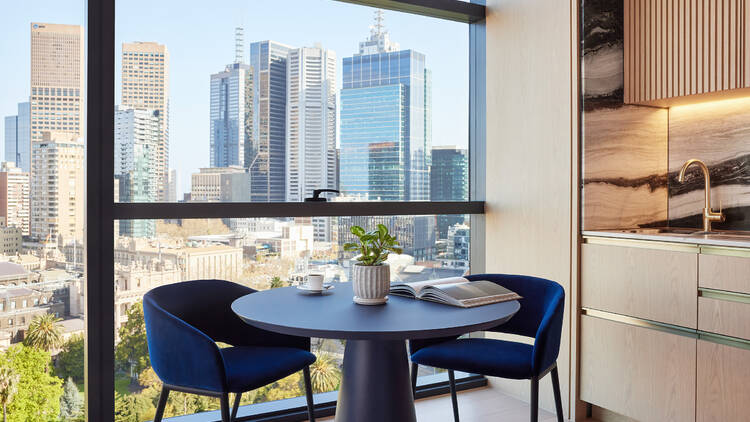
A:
[334, 315]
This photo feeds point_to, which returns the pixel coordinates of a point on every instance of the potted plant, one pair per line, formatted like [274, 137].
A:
[371, 276]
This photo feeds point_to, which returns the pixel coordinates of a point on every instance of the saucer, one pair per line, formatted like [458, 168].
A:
[305, 288]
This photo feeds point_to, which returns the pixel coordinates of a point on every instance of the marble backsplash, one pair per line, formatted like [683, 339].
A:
[632, 154]
[719, 134]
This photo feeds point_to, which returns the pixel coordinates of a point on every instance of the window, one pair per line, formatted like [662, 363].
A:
[412, 88]
[42, 173]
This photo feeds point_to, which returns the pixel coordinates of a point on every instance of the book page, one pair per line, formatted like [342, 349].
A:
[419, 285]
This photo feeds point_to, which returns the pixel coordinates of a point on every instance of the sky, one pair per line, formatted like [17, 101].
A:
[200, 38]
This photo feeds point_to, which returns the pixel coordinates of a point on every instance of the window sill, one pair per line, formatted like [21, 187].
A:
[295, 409]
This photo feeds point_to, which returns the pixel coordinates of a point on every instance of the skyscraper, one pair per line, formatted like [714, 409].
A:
[449, 181]
[231, 111]
[310, 122]
[18, 137]
[14, 196]
[145, 85]
[57, 188]
[137, 140]
[267, 155]
[385, 101]
[57, 80]
[311, 127]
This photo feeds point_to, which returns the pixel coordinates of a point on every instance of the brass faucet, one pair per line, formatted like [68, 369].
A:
[708, 214]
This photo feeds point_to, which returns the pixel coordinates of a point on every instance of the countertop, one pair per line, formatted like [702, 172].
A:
[726, 239]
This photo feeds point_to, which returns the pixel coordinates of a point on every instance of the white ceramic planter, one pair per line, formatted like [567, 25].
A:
[371, 283]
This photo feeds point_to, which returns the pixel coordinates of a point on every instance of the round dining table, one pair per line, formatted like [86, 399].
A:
[375, 385]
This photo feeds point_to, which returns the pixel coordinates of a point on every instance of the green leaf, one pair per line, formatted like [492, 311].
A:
[350, 246]
[357, 231]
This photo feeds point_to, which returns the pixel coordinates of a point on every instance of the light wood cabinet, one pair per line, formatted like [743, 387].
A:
[658, 285]
[723, 383]
[644, 374]
[724, 317]
[720, 272]
[678, 51]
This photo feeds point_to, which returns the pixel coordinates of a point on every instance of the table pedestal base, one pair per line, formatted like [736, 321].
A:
[375, 386]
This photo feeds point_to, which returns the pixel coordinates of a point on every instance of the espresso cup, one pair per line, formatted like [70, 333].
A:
[315, 281]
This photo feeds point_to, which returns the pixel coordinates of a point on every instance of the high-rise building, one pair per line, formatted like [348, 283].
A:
[57, 80]
[56, 106]
[18, 137]
[145, 85]
[231, 111]
[267, 155]
[14, 196]
[310, 122]
[449, 181]
[231, 115]
[137, 139]
[57, 188]
[173, 185]
[311, 127]
[385, 101]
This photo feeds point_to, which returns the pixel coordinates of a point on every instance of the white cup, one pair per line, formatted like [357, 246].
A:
[315, 281]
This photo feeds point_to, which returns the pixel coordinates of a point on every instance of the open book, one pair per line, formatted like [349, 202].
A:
[456, 291]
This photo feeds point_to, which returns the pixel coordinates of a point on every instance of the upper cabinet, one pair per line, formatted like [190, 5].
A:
[686, 51]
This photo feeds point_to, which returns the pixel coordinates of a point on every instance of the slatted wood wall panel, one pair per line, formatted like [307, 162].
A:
[676, 48]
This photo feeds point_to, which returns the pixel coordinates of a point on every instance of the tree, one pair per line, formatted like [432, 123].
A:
[325, 374]
[71, 402]
[39, 392]
[69, 362]
[276, 282]
[8, 388]
[44, 333]
[131, 353]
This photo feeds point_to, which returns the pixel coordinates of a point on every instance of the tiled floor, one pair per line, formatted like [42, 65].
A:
[479, 405]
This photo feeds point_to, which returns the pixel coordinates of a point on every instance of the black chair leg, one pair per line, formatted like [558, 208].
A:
[558, 398]
[534, 401]
[224, 399]
[309, 394]
[162, 403]
[236, 406]
[454, 397]
[414, 369]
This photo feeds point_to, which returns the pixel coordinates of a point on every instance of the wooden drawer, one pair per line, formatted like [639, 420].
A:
[721, 272]
[657, 285]
[723, 380]
[644, 374]
[724, 317]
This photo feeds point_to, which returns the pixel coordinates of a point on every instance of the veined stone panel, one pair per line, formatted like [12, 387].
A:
[719, 134]
[624, 146]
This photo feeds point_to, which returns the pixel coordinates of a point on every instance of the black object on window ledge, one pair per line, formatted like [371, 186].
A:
[316, 195]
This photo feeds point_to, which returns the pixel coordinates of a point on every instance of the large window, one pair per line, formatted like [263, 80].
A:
[42, 210]
[220, 119]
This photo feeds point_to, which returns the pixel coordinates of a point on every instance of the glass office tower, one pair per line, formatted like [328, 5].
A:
[18, 137]
[231, 115]
[267, 153]
[449, 181]
[385, 122]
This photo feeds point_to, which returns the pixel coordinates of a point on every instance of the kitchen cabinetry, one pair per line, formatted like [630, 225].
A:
[723, 378]
[645, 374]
[679, 51]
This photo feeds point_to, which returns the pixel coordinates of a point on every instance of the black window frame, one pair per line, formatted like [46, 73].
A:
[102, 211]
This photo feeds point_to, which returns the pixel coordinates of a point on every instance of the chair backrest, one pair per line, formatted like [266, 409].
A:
[207, 306]
[185, 320]
[540, 316]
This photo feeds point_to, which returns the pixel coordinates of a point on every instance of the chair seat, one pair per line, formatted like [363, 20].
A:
[499, 358]
[248, 368]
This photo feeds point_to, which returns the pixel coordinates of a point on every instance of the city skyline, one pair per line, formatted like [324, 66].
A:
[189, 128]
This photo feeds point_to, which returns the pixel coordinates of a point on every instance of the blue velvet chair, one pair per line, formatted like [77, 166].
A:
[540, 317]
[183, 323]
